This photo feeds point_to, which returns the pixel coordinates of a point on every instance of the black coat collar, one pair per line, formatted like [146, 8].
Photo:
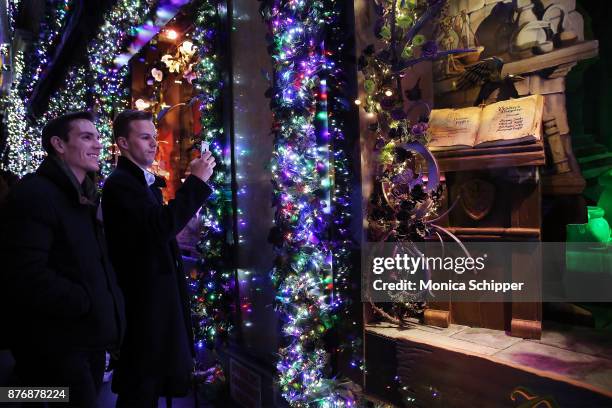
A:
[133, 169]
[52, 170]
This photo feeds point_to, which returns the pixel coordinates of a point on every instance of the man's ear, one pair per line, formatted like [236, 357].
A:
[58, 144]
[122, 143]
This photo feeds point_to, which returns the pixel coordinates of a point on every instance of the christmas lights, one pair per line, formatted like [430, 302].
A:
[12, 10]
[213, 283]
[302, 180]
[110, 89]
[52, 25]
[71, 97]
[23, 152]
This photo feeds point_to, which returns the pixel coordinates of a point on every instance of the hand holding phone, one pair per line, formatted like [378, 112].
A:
[204, 147]
[203, 166]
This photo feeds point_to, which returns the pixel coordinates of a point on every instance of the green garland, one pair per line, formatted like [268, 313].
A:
[110, 89]
[23, 151]
[213, 284]
[302, 178]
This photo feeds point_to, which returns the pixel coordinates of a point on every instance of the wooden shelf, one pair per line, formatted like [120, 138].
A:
[573, 53]
[560, 56]
[495, 233]
[531, 154]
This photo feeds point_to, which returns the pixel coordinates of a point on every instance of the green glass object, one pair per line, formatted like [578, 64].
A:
[598, 225]
[596, 230]
[605, 199]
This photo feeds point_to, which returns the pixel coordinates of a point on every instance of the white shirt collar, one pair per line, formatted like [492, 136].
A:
[149, 177]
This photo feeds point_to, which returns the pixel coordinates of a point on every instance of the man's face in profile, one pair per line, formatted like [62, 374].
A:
[82, 149]
[141, 142]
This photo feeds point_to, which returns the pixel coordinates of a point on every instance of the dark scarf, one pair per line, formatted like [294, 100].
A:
[87, 191]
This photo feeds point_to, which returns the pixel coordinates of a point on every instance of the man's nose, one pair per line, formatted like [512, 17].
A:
[98, 145]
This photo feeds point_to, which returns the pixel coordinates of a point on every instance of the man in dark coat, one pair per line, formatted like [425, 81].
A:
[61, 303]
[156, 358]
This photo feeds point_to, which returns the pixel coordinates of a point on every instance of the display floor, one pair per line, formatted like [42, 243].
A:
[569, 363]
[575, 354]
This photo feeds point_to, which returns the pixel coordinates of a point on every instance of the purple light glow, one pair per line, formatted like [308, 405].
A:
[164, 13]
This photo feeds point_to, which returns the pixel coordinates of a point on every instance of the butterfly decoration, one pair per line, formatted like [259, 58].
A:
[182, 61]
[173, 64]
[157, 74]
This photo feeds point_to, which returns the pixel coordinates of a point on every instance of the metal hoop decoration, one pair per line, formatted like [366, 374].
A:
[433, 172]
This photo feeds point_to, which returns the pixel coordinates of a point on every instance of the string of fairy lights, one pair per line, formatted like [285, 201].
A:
[343, 246]
[302, 178]
[110, 89]
[72, 96]
[12, 9]
[52, 24]
[23, 151]
[212, 284]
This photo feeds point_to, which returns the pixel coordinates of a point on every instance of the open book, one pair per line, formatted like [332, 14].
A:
[501, 123]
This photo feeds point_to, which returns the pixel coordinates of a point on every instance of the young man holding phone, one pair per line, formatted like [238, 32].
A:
[156, 358]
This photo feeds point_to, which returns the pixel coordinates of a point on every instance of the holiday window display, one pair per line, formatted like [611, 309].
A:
[405, 200]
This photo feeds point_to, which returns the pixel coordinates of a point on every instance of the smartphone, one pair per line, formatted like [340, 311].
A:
[204, 147]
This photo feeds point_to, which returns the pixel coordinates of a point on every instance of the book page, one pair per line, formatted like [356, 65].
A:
[511, 121]
[453, 128]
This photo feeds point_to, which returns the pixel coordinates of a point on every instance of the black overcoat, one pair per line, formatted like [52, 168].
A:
[141, 232]
[57, 286]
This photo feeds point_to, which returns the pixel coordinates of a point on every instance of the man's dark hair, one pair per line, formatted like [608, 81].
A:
[60, 127]
[121, 125]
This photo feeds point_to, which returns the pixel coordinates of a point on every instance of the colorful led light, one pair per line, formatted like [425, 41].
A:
[303, 189]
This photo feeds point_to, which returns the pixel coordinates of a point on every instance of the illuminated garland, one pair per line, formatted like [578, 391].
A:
[23, 146]
[110, 90]
[343, 245]
[303, 272]
[73, 96]
[23, 150]
[52, 25]
[213, 283]
[12, 10]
